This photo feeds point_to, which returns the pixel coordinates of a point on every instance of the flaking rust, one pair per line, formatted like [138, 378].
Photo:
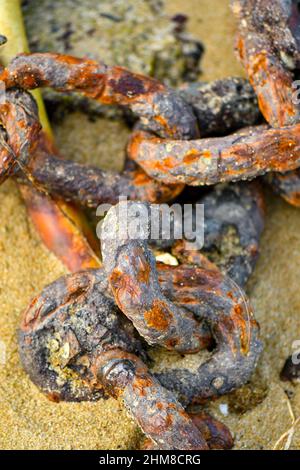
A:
[270, 54]
[216, 108]
[27, 154]
[268, 45]
[74, 341]
[87, 185]
[131, 270]
[18, 136]
[59, 225]
[155, 408]
[160, 109]
[221, 305]
[90, 186]
[182, 308]
[75, 346]
[244, 155]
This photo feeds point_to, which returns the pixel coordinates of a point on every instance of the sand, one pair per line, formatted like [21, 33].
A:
[259, 413]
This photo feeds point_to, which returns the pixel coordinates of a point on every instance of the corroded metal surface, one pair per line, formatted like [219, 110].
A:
[70, 322]
[217, 435]
[224, 307]
[287, 185]
[19, 118]
[248, 153]
[269, 53]
[164, 312]
[160, 109]
[131, 270]
[74, 342]
[61, 227]
[155, 408]
[233, 222]
[91, 186]
[75, 346]
[27, 149]
[269, 47]
[222, 106]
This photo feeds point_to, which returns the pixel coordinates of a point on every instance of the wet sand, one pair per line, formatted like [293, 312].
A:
[257, 414]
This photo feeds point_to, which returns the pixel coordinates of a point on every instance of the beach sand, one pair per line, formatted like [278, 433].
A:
[260, 412]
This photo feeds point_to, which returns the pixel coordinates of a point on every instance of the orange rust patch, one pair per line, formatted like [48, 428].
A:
[121, 284]
[30, 314]
[259, 63]
[264, 106]
[141, 178]
[67, 59]
[206, 154]
[163, 166]
[240, 48]
[169, 162]
[189, 300]
[53, 396]
[141, 383]
[240, 322]
[171, 343]
[115, 277]
[136, 142]
[21, 124]
[159, 316]
[286, 144]
[163, 122]
[293, 198]
[143, 271]
[191, 156]
[169, 420]
[230, 295]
